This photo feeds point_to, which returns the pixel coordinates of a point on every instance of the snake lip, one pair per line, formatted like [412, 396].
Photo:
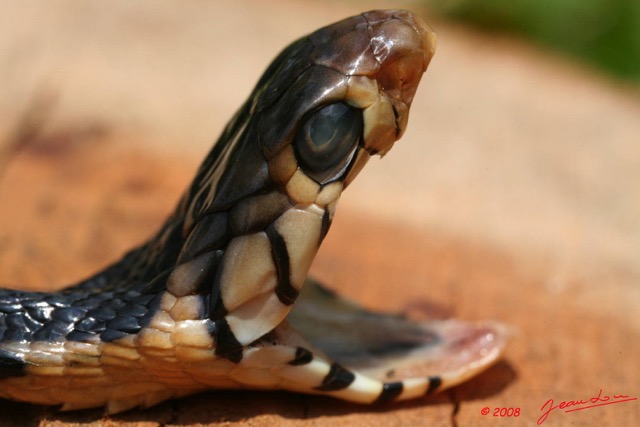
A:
[403, 46]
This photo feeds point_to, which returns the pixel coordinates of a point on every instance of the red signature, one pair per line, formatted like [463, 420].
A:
[579, 405]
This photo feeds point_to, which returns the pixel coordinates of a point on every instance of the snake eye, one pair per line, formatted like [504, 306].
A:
[326, 141]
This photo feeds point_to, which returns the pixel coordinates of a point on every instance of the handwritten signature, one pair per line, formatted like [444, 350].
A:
[578, 405]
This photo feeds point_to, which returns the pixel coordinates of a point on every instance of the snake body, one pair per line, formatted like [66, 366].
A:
[208, 302]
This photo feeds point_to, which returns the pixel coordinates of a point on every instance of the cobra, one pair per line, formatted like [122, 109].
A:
[219, 298]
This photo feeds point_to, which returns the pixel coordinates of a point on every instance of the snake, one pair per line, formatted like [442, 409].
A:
[219, 297]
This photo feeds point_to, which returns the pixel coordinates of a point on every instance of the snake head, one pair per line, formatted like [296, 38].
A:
[342, 94]
[323, 107]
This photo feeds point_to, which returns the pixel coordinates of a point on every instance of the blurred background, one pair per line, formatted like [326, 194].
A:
[523, 144]
[603, 34]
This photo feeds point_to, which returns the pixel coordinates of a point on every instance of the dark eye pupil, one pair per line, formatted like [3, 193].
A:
[322, 126]
[326, 142]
